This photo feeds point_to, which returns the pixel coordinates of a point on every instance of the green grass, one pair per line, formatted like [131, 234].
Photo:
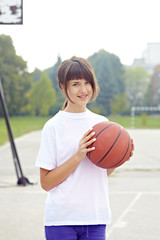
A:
[124, 121]
[140, 121]
[22, 125]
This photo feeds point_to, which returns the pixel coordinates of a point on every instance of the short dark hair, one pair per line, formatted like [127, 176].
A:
[77, 68]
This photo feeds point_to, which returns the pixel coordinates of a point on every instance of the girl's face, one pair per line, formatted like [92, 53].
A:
[79, 92]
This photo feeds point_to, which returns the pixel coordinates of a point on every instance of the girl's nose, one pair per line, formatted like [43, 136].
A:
[83, 89]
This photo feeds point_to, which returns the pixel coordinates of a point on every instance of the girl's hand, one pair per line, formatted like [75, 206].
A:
[132, 148]
[131, 154]
[84, 143]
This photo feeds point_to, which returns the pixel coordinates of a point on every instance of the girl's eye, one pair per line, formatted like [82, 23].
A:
[75, 84]
[88, 83]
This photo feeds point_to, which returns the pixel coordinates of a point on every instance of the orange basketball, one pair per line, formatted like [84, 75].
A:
[113, 145]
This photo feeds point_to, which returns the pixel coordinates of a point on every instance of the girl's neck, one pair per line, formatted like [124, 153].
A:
[75, 109]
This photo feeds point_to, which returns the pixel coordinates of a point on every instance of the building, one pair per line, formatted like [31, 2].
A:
[150, 57]
[151, 54]
[150, 61]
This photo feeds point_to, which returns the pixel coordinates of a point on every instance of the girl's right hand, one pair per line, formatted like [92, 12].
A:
[84, 143]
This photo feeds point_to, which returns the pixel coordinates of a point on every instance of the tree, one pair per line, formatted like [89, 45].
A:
[16, 80]
[148, 96]
[52, 73]
[42, 96]
[119, 104]
[36, 75]
[109, 72]
[137, 83]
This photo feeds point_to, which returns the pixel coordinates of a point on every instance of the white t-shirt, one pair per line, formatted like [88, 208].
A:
[82, 199]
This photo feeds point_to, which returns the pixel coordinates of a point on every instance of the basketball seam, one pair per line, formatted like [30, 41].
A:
[123, 156]
[98, 135]
[110, 147]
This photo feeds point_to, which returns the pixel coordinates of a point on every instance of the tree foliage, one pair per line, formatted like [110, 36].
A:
[52, 73]
[38, 92]
[42, 96]
[137, 82]
[16, 80]
[119, 104]
[36, 75]
[109, 72]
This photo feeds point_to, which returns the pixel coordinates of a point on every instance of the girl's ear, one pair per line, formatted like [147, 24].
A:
[61, 86]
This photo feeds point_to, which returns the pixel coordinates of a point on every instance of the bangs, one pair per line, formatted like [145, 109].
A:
[78, 71]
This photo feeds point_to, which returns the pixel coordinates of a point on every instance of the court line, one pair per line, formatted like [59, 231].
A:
[119, 221]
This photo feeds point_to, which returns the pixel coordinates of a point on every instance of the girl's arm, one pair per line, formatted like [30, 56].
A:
[51, 178]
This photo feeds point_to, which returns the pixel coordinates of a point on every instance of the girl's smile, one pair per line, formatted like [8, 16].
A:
[83, 97]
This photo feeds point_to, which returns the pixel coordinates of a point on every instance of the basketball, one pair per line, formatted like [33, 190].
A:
[113, 145]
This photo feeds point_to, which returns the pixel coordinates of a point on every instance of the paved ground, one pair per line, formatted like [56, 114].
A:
[134, 191]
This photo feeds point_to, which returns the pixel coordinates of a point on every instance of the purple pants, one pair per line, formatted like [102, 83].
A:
[76, 232]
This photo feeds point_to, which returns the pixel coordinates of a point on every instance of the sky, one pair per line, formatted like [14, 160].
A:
[83, 27]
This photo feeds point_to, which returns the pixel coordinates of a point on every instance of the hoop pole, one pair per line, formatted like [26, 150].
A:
[17, 165]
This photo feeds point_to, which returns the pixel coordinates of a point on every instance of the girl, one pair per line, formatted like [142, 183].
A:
[77, 206]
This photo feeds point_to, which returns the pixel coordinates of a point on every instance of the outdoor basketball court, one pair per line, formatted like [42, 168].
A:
[134, 191]
[135, 198]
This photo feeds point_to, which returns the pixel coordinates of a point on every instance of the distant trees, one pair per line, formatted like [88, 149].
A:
[52, 73]
[110, 75]
[38, 92]
[25, 93]
[120, 88]
[137, 82]
[119, 104]
[42, 96]
[137, 91]
[36, 75]
[15, 78]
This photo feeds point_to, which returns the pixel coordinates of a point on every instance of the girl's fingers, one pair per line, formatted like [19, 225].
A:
[132, 150]
[85, 146]
[86, 141]
[90, 149]
[90, 142]
[86, 134]
[85, 138]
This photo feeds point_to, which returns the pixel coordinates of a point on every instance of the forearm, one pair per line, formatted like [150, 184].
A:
[110, 170]
[50, 179]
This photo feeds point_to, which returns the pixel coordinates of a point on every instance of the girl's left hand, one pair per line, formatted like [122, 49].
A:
[131, 154]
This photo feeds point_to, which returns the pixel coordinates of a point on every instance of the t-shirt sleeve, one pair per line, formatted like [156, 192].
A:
[47, 152]
[104, 118]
